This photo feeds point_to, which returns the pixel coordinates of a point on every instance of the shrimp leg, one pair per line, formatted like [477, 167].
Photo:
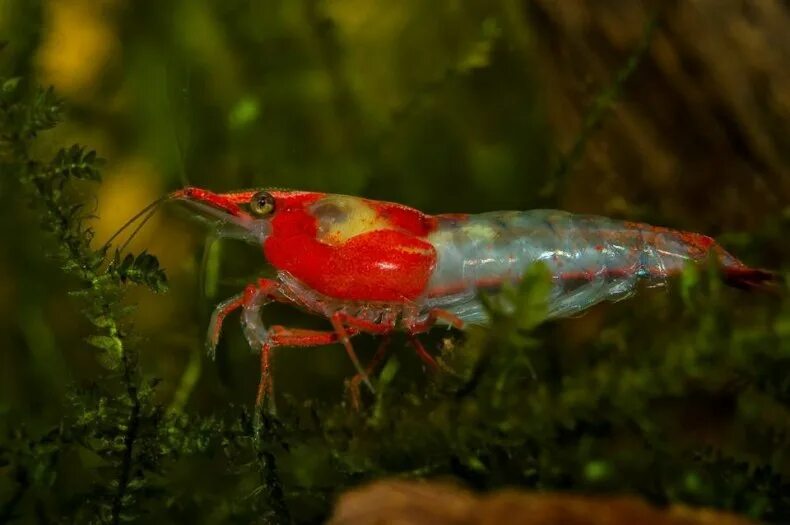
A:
[434, 315]
[340, 321]
[378, 357]
[253, 293]
[222, 310]
[254, 297]
[293, 337]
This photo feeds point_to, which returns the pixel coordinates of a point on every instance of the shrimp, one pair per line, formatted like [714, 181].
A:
[377, 267]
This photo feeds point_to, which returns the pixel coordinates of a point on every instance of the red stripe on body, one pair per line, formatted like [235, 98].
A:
[405, 218]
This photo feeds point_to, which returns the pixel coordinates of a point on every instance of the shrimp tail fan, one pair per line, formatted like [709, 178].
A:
[753, 279]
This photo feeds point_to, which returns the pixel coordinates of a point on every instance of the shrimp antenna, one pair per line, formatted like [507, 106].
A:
[137, 229]
[150, 210]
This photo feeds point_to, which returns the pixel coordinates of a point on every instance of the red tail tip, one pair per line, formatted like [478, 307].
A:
[753, 279]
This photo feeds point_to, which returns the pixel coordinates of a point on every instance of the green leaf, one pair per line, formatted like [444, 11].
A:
[100, 321]
[143, 269]
[76, 162]
[532, 299]
[525, 304]
[106, 342]
[44, 112]
[10, 85]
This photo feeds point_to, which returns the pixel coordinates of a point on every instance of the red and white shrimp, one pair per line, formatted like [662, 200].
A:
[376, 267]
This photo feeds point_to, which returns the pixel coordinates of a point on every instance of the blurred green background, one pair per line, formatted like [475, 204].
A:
[446, 106]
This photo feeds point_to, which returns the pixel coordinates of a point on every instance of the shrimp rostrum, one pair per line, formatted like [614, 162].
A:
[377, 267]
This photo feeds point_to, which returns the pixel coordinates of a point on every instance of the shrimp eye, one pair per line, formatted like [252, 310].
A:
[262, 204]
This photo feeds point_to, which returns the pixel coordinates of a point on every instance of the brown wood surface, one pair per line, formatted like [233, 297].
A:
[417, 503]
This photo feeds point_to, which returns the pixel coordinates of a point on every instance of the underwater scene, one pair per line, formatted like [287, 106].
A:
[398, 262]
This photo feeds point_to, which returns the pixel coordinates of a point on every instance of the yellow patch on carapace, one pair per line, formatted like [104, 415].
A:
[479, 231]
[427, 251]
[341, 217]
[441, 237]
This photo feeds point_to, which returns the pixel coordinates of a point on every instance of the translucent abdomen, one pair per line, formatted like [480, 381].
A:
[591, 258]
